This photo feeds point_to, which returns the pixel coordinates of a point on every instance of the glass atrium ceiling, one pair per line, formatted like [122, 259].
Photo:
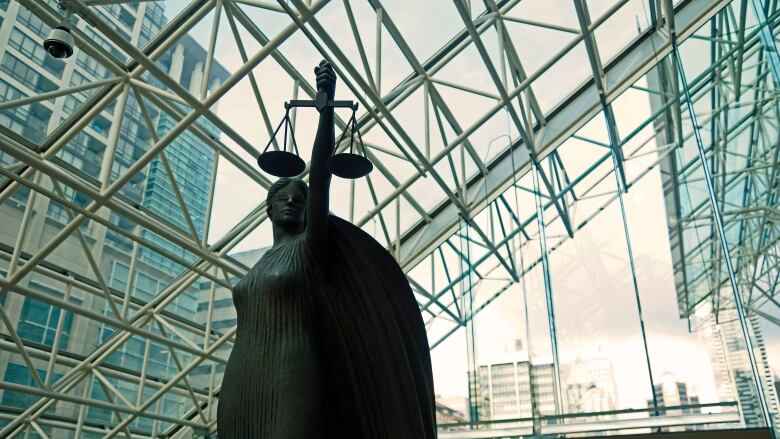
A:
[508, 138]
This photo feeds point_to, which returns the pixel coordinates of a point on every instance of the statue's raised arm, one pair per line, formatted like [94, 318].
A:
[319, 177]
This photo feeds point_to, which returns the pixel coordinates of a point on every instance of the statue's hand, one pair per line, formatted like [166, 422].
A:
[326, 79]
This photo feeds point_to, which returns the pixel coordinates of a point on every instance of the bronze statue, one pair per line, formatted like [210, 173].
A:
[330, 341]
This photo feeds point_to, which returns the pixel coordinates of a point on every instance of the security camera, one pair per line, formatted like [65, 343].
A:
[60, 42]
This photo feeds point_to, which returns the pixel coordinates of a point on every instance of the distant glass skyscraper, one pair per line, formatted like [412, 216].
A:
[731, 365]
[130, 270]
[192, 161]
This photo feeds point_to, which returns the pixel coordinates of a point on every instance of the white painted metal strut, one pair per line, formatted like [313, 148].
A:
[433, 227]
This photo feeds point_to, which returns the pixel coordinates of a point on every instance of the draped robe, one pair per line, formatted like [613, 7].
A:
[330, 345]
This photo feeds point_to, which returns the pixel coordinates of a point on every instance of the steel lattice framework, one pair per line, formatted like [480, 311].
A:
[482, 148]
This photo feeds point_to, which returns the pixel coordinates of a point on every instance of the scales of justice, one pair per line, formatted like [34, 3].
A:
[330, 342]
[288, 164]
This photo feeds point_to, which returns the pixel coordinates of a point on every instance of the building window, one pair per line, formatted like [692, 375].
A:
[38, 321]
[26, 75]
[30, 121]
[223, 324]
[124, 244]
[126, 17]
[78, 79]
[155, 13]
[106, 416]
[9, 93]
[88, 149]
[71, 159]
[102, 42]
[57, 212]
[32, 22]
[145, 287]
[20, 374]
[220, 303]
[111, 14]
[71, 103]
[92, 66]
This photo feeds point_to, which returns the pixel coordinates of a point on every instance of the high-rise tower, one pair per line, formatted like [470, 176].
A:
[731, 365]
[126, 271]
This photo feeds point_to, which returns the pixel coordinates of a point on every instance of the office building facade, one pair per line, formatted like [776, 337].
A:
[669, 392]
[506, 387]
[673, 393]
[124, 268]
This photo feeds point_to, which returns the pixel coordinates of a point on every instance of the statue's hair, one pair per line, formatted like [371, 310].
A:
[282, 183]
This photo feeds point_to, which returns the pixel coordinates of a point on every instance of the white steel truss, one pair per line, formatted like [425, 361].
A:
[447, 171]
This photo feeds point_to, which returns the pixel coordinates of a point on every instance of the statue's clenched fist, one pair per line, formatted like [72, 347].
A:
[326, 79]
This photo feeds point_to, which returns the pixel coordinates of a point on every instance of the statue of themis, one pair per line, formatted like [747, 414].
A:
[330, 340]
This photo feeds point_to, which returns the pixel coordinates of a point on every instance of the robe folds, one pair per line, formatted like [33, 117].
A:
[327, 346]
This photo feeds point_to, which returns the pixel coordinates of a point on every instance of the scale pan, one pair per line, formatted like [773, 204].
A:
[349, 165]
[281, 163]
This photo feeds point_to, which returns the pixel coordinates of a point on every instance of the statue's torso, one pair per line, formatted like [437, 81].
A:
[274, 368]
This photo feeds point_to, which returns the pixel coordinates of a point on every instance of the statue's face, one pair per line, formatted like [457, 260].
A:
[288, 207]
